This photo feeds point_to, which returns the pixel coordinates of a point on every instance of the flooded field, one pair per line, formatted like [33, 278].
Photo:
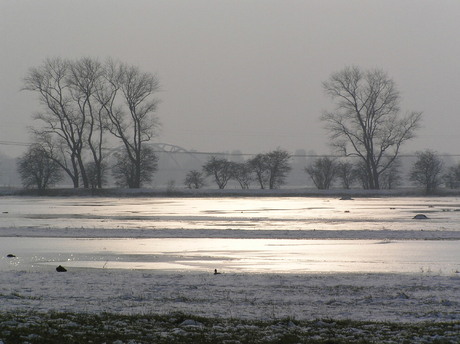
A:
[235, 213]
[235, 234]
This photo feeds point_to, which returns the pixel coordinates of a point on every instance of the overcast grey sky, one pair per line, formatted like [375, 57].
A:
[244, 75]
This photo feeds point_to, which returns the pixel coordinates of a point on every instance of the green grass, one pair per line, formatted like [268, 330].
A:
[151, 328]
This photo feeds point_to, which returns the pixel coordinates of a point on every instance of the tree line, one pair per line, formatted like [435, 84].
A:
[88, 107]
[428, 171]
[269, 170]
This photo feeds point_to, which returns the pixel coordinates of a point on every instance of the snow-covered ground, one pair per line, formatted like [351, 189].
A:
[32, 228]
[374, 297]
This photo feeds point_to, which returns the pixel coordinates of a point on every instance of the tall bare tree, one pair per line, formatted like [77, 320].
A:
[85, 78]
[82, 100]
[133, 119]
[60, 117]
[366, 121]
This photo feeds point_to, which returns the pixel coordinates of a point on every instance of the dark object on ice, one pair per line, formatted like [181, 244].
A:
[60, 268]
[11, 255]
[215, 272]
[420, 217]
[346, 198]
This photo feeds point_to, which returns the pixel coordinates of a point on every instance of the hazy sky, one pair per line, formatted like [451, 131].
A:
[244, 75]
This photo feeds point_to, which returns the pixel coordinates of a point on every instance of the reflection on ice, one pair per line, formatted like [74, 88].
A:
[264, 213]
[235, 255]
[234, 234]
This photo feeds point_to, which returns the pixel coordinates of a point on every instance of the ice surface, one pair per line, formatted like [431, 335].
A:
[304, 258]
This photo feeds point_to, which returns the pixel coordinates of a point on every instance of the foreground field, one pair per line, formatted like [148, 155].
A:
[180, 328]
[125, 306]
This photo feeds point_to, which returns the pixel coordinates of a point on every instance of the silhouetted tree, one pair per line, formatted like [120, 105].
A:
[133, 119]
[323, 172]
[391, 177]
[96, 174]
[259, 166]
[194, 179]
[241, 172]
[367, 122]
[271, 169]
[427, 170]
[125, 171]
[346, 173]
[219, 169]
[84, 98]
[452, 177]
[60, 118]
[37, 169]
[86, 77]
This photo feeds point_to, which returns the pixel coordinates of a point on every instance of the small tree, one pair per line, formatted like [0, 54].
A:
[271, 169]
[241, 172]
[37, 169]
[452, 177]
[194, 179]
[391, 177]
[126, 171]
[279, 167]
[323, 172]
[426, 170]
[259, 166]
[346, 173]
[96, 173]
[220, 169]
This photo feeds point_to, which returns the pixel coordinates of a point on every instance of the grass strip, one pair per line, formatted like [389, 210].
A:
[31, 327]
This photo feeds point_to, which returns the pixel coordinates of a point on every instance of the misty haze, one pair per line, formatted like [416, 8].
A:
[257, 171]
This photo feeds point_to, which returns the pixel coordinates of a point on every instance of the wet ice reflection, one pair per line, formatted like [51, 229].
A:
[242, 213]
[236, 255]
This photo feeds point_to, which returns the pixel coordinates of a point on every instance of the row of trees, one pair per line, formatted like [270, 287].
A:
[269, 170]
[427, 171]
[85, 104]
[325, 171]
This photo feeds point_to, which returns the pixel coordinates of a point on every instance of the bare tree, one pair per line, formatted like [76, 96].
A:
[346, 173]
[367, 122]
[391, 177]
[96, 174]
[272, 168]
[194, 179]
[323, 172]
[452, 177]
[126, 172]
[427, 170]
[85, 78]
[133, 120]
[259, 165]
[37, 169]
[220, 169]
[241, 172]
[60, 118]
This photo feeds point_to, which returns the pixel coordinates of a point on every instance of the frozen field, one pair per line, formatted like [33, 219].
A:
[298, 258]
